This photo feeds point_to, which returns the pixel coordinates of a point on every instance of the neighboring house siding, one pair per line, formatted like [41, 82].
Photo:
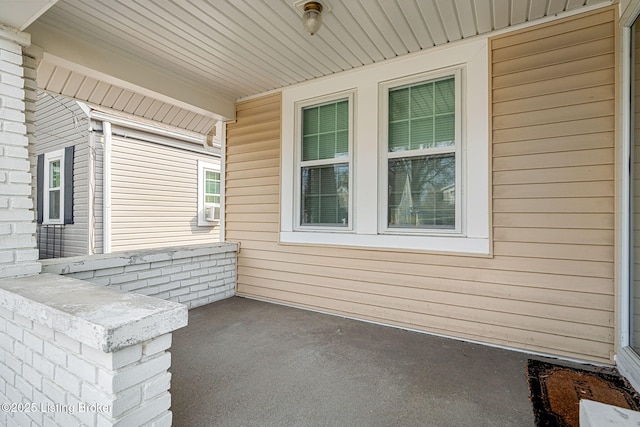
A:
[98, 237]
[61, 123]
[549, 285]
[154, 196]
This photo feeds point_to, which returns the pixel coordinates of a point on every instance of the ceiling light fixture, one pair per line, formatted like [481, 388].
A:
[312, 17]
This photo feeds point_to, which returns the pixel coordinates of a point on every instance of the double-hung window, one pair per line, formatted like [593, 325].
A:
[422, 165]
[211, 191]
[324, 165]
[208, 193]
[53, 187]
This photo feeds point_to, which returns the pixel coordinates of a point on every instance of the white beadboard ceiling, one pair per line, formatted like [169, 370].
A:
[235, 49]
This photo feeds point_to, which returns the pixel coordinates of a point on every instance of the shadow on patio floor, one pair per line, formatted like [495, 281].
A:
[242, 362]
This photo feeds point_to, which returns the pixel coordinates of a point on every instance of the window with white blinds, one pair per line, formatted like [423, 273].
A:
[324, 166]
[421, 155]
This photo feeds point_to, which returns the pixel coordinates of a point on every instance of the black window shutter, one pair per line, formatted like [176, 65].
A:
[40, 188]
[68, 184]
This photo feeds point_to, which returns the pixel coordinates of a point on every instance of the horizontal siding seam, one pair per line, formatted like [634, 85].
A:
[565, 26]
[476, 322]
[545, 51]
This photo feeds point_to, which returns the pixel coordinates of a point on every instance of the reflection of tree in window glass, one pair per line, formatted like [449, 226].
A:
[212, 187]
[422, 192]
[54, 189]
[324, 173]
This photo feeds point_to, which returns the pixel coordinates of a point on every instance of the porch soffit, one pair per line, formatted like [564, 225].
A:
[89, 72]
[234, 49]
[18, 14]
[189, 61]
[105, 96]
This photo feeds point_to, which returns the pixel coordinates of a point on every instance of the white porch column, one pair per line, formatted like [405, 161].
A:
[18, 250]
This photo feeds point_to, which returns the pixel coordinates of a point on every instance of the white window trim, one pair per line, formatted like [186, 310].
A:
[48, 158]
[202, 167]
[383, 213]
[472, 56]
[349, 96]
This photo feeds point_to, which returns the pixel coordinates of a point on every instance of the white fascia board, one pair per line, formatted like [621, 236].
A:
[145, 125]
[19, 14]
[629, 10]
[11, 34]
[85, 108]
[64, 50]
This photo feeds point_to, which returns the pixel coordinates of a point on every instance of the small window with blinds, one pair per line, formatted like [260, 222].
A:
[422, 160]
[325, 165]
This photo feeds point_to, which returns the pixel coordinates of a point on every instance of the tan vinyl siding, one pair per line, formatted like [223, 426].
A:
[548, 287]
[154, 196]
[61, 123]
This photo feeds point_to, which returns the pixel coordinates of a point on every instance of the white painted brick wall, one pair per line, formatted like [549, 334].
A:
[191, 275]
[18, 253]
[52, 378]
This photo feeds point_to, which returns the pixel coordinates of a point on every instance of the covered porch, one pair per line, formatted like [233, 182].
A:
[536, 256]
[252, 363]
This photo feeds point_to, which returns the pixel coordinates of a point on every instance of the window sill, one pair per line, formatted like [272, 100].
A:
[209, 223]
[449, 243]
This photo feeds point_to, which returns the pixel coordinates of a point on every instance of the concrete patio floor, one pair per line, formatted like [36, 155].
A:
[242, 362]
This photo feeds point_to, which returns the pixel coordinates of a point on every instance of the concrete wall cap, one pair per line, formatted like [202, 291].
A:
[120, 259]
[95, 315]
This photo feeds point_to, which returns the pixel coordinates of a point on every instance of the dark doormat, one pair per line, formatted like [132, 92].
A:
[555, 391]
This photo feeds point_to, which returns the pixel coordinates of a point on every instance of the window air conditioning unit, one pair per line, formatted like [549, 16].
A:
[213, 213]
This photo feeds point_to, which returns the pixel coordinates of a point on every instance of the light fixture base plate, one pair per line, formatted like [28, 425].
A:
[299, 4]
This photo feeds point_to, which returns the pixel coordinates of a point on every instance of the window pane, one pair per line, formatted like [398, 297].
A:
[422, 100]
[444, 96]
[399, 136]
[327, 146]
[422, 192]
[325, 195]
[422, 116]
[212, 182]
[342, 143]
[211, 186]
[310, 147]
[310, 121]
[445, 130]
[342, 119]
[325, 131]
[327, 118]
[399, 104]
[54, 174]
[422, 133]
[54, 204]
